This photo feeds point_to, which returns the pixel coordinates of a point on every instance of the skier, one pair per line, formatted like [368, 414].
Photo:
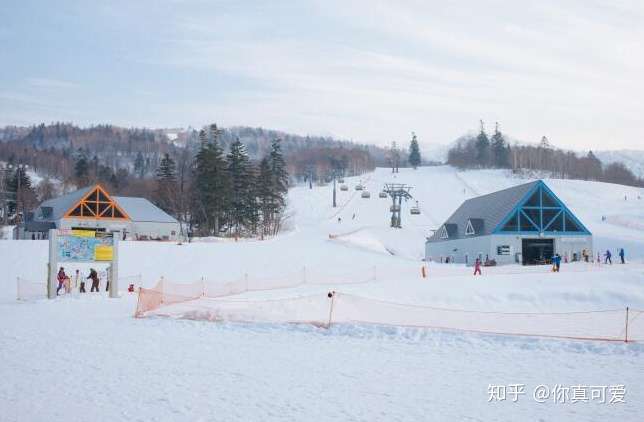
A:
[93, 275]
[354, 216]
[61, 279]
[584, 253]
[607, 257]
[82, 282]
[557, 262]
[339, 219]
[621, 255]
[477, 266]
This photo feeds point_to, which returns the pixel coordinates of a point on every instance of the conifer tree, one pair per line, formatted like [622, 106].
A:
[239, 175]
[482, 148]
[81, 170]
[278, 171]
[166, 178]
[500, 150]
[139, 165]
[414, 152]
[211, 187]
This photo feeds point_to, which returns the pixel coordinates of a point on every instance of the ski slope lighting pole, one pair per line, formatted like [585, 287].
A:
[334, 194]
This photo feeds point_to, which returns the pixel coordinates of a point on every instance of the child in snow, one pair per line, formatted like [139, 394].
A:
[61, 277]
[477, 266]
[81, 280]
[93, 275]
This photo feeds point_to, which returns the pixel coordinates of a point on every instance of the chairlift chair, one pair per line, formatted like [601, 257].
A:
[366, 194]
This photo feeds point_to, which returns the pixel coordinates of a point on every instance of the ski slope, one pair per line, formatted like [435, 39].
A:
[167, 369]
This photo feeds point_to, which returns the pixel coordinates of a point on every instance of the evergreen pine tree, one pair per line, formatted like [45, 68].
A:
[211, 184]
[81, 170]
[414, 152]
[279, 172]
[239, 174]
[500, 152]
[482, 146]
[166, 178]
[266, 195]
[139, 165]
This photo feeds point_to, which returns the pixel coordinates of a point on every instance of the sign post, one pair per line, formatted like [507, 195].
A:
[52, 268]
[82, 246]
[114, 266]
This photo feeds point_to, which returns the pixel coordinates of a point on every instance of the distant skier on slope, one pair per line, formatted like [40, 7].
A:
[556, 261]
[607, 257]
[621, 255]
[477, 266]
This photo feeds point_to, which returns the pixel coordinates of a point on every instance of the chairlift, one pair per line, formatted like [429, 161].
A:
[383, 194]
[341, 180]
[359, 187]
[415, 210]
[366, 194]
[344, 187]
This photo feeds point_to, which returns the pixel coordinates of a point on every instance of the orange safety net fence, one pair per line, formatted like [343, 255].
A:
[324, 310]
[166, 292]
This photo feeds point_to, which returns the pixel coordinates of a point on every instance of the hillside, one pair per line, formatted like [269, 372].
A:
[323, 370]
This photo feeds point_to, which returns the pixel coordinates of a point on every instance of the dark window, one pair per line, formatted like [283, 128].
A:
[548, 215]
[534, 200]
[553, 221]
[102, 207]
[76, 212]
[87, 211]
[549, 201]
[118, 214]
[93, 197]
[535, 215]
[511, 225]
[503, 250]
[571, 226]
[102, 197]
[525, 224]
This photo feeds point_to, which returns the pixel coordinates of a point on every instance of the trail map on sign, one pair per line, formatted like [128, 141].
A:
[84, 248]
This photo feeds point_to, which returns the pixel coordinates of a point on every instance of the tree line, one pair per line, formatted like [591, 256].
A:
[219, 193]
[482, 151]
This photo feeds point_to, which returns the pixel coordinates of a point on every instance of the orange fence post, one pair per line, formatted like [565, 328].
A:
[330, 295]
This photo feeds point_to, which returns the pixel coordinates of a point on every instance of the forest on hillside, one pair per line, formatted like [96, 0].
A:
[174, 171]
[483, 151]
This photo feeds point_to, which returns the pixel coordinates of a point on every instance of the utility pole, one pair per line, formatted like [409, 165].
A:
[334, 194]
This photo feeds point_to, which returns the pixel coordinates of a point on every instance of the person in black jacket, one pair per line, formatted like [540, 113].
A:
[93, 275]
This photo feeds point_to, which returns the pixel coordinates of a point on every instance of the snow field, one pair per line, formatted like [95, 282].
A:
[87, 358]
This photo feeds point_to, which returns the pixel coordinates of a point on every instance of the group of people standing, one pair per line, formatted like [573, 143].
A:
[608, 256]
[68, 284]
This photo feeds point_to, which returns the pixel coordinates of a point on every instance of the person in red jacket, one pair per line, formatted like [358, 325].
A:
[477, 266]
[61, 277]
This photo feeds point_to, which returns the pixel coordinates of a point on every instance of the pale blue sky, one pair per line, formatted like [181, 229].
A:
[370, 71]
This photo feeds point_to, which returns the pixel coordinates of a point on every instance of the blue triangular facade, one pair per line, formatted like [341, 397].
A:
[541, 211]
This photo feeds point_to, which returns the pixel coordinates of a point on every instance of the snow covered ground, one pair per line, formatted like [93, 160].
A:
[167, 369]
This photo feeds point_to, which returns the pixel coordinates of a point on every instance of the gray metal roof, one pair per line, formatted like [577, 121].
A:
[61, 205]
[490, 209]
[140, 209]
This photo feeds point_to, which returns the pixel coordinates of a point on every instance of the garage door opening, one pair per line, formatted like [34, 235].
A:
[537, 251]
